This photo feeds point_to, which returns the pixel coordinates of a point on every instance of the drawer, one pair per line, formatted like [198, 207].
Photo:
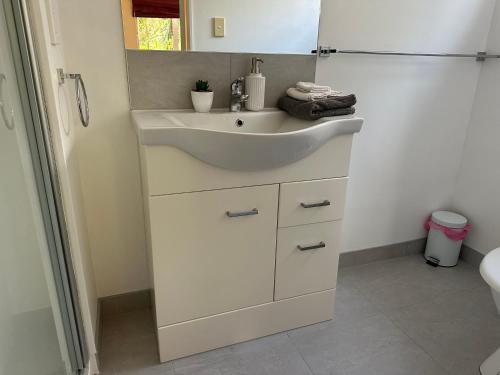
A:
[213, 251]
[313, 266]
[312, 201]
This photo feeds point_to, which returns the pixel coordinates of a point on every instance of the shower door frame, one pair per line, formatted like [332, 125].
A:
[47, 181]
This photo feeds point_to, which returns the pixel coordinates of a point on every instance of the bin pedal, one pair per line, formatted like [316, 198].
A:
[431, 261]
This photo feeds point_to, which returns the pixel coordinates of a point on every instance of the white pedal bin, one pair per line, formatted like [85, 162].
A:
[441, 249]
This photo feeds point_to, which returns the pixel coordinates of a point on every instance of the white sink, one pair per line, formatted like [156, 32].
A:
[245, 141]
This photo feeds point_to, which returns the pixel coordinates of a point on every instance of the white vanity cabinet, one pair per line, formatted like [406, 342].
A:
[235, 255]
[245, 261]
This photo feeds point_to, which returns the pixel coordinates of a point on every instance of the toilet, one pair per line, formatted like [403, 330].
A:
[490, 271]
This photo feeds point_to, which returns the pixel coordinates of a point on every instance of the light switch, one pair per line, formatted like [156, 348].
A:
[219, 26]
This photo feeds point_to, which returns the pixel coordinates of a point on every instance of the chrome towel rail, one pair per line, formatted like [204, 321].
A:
[81, 94]
[325, 51]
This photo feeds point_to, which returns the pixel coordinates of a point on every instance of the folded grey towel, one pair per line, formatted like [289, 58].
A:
[315, 109]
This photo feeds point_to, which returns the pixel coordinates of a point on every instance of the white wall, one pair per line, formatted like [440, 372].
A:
[478, 188]
[406, 159]
[273, 26]
[107, 151]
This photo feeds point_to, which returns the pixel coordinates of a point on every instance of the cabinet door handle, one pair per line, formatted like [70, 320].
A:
[312, 247]
[319, 204]
[242, 213]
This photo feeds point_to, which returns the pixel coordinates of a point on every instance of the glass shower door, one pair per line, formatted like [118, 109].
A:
[32, 337]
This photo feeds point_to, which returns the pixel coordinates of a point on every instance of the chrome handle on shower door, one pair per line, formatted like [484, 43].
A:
[9, 122]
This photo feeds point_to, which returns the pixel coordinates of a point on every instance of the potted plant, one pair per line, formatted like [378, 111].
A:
[202, 97]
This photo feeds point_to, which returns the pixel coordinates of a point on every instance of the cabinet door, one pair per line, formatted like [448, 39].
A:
[213, 251]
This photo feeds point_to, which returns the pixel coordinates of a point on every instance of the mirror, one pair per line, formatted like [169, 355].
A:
[257, 26]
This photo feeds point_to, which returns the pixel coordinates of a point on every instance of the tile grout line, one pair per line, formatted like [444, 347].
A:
[300, 353]
[416, 343]
[385, 314]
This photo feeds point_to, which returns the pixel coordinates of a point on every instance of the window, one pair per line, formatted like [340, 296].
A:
[159, 33]
[155, 24]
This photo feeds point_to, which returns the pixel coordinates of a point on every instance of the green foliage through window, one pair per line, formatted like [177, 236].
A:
[159, 33]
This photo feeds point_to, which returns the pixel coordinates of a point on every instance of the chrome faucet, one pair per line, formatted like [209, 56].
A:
[237, 96]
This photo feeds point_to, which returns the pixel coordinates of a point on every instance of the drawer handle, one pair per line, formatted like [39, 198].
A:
[320, 204]
[243, 213]
[313, 247]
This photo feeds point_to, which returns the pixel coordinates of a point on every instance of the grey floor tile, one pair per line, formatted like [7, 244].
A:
[393, 317]
[340, 345]
[351, 304]
[272, 355]
[132, 356]
[459, 330]
[158, 369]
[407, 281]
[398, 295]
[463, 277]
[377, 274]
[405, 359]
[135, 324]
[123, 303]
[210, 362]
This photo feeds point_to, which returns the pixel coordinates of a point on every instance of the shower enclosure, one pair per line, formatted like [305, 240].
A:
[40, 322]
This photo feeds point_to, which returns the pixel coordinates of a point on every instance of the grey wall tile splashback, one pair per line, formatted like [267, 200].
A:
[163, 80]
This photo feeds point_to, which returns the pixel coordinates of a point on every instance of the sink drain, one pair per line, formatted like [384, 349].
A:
[240, 123]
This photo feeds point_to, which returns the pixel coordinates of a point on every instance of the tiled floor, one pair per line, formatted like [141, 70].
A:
[393, 317]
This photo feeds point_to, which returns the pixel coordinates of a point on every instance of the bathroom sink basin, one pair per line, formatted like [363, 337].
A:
[245, 141]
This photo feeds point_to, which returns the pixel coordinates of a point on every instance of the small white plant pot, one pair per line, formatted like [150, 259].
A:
[202, 100]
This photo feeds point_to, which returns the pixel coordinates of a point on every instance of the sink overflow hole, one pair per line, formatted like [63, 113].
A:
[239, 123]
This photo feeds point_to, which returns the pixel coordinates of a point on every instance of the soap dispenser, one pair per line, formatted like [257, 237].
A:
[255, 87]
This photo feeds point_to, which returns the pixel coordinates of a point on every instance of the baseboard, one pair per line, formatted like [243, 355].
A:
[471, 256]
[374, 254]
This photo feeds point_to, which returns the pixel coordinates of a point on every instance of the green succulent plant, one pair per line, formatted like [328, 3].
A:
[202, 86]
